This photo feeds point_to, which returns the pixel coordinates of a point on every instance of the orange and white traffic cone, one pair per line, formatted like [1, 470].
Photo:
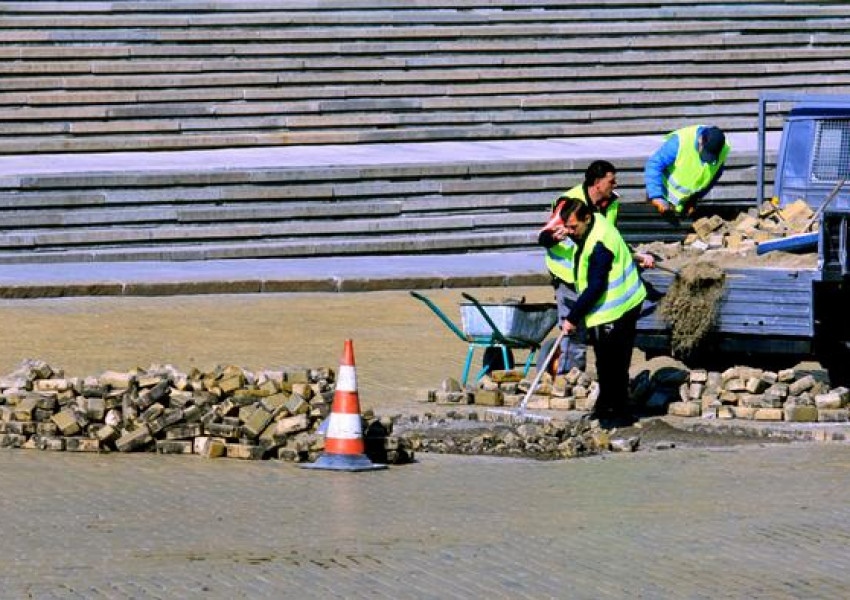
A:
[344, 446]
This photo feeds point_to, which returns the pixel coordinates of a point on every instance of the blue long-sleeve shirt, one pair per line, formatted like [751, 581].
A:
[658, 163]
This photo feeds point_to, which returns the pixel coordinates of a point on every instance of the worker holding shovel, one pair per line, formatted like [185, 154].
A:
[685, 168]
[597, 192]
[610, 295]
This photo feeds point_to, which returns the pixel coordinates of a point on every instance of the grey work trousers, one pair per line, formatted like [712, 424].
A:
[573, 347]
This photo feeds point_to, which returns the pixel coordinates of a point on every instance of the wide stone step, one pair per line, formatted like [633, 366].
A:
[111, 65]
[423, 50]
[388, 244]
[285, 16]
[625, 75]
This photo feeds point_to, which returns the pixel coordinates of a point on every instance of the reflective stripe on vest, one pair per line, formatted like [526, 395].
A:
[688, 174]
[559, 260]
[625, 290]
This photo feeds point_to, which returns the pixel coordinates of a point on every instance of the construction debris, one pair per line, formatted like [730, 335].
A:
[462, 433]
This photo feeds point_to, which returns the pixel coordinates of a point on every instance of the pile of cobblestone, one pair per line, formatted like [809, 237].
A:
[665, 385]
[749, 228]
[798, 394]
[575, 390]
[226, 412]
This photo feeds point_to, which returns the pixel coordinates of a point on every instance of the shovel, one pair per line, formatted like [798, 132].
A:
[519, 415]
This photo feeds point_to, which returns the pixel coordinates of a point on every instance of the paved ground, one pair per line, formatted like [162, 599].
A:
[749, 522]
[737, 522]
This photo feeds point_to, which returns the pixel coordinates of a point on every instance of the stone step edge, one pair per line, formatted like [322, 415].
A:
[267, 286]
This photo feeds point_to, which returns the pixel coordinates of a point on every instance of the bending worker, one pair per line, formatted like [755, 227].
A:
[685, 168]
[610, 295]
[597, 193]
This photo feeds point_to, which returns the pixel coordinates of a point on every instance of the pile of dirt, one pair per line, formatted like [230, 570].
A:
[690, 305]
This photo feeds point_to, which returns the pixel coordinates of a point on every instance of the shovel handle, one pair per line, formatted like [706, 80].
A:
[670, 270]
[541, 370]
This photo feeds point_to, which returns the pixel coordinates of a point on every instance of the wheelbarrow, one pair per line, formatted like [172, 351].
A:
[500, 326]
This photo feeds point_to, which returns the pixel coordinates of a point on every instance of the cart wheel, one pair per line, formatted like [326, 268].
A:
[544, 351]
[494, 361]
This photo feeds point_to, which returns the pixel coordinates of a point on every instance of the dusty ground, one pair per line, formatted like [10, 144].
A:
[400, 346]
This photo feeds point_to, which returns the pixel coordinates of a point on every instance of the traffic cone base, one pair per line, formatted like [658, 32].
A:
[343, 462]
[343, 429]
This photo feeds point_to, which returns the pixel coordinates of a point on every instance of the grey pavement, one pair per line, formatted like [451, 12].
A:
[743, 522]
[324, 274]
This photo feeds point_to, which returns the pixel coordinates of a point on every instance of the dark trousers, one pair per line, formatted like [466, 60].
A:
[613, 343]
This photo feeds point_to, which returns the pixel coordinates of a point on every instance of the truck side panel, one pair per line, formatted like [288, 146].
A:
[761, 309]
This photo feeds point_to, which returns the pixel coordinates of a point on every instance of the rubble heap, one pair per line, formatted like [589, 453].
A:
[461, 433]
[228, 411]
[798, 394]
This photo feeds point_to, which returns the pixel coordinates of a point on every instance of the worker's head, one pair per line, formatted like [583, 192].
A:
[576, 216]
[710, 144]
[600, 179]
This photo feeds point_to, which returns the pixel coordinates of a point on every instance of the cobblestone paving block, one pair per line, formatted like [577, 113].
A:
[244, 451]
[296, 405]
[274, 402]
[801, 414]
[12, 440]
[174, 446]
[224, 430]
[258, 421]
[24, 409]
[293, 424]
[180, 432]
[769, 414]
[66, 421]
[837, 415]
[134, 440]
[489, 398]
[80, 444]
[210, 447]
[21, 427]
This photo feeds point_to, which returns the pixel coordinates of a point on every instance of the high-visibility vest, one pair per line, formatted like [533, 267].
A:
[688, 174]
[625, 289]
[577, 192]
[560, 257]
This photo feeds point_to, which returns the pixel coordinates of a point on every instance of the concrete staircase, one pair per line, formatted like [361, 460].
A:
[153, 75]
[191, 211]
[174, 77]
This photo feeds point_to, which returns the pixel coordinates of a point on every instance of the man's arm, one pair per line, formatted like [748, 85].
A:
[653, 172]
[546, 238]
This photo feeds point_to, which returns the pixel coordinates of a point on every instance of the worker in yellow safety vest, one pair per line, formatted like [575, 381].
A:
[610, 295]
[685, 168]
[597, 191]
